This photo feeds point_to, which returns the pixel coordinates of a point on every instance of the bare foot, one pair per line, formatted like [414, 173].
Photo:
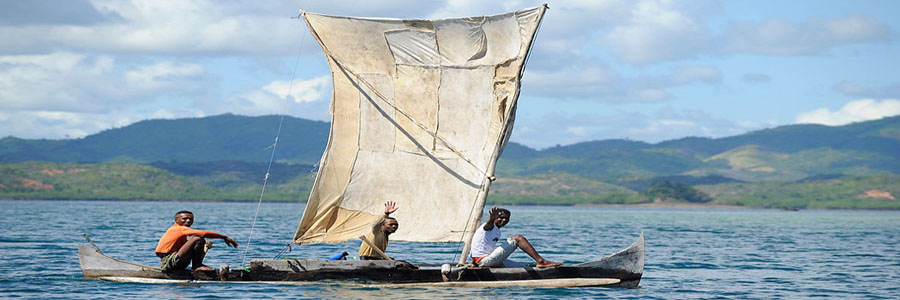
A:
[202, 268]
[547, 264]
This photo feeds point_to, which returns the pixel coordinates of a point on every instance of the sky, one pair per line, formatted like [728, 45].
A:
[645, 70]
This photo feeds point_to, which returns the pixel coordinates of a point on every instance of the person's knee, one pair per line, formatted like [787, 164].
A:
[196, 241]
[518, 238]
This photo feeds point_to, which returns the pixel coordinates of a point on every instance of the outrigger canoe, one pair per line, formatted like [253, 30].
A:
[421, 111]
[623, 269]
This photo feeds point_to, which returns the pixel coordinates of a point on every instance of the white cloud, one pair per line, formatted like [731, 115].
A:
[302, 90]
[660, 127]
[658, 30]
[43, 81]
[577, 130]
[585, 80]
[165, 27]
[163, 114]
[755, 78]
[161, 75]
[691, 74]
[188, 27]
[45, 124]
[64, 94]
[778, 36]
[648, 95]
[595, 81]
[56, 124]
[851, 88]
[655, 31]
[70, 12]
[166, 59]
[308, 97]
[70, 82]
[853, 111]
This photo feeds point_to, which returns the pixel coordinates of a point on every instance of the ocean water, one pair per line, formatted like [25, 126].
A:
[691, 253]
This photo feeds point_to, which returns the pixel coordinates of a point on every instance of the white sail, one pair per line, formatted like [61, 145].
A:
[420, 111]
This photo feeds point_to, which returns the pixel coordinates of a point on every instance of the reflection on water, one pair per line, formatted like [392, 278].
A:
[690, 253]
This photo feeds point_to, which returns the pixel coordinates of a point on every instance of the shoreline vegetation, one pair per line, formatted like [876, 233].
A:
[652, 205]
[137, 182]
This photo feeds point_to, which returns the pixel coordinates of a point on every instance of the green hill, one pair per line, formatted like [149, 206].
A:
[782, 153]
[224, 158]
[836, 192]
[126, 181]
[101, 181]
[880, 136]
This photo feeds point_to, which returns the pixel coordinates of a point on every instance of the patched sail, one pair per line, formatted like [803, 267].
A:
[420, 111]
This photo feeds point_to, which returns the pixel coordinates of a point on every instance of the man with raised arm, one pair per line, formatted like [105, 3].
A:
[486, 253]
[181, 246]
[381, 229]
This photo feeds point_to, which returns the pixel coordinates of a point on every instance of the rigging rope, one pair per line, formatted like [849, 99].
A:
[287, 248]
[273, 146]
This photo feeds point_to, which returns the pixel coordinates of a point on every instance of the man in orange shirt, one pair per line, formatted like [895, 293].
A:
[181, 245]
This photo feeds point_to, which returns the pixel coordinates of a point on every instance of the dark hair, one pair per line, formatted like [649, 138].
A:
[183, 212]
[503, 210]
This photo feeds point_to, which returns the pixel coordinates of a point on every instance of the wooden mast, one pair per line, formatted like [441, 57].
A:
[475, 221]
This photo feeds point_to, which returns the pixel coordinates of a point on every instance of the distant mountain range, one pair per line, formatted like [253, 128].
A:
[225, 158]
[216, 138]
[784, 153]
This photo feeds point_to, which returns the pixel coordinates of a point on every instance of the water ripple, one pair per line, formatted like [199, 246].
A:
[691, 254]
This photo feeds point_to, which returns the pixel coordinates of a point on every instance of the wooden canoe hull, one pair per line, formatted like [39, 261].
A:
[626, 266]
[95, 264]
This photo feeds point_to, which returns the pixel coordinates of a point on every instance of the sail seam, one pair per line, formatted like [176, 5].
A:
[384, 99]
[410, 118]
[371, 58]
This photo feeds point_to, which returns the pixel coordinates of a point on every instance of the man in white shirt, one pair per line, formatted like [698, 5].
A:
[486, 253]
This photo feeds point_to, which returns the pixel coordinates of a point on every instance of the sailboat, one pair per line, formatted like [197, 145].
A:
[421, 111]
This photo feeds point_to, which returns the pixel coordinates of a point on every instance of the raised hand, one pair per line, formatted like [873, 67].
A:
[494, 213]
[390, 207]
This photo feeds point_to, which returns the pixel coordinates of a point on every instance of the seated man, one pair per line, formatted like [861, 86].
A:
[177, 250]
[381, 229]
[485, 253]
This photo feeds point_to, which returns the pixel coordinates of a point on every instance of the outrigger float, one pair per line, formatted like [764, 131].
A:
[421, 111]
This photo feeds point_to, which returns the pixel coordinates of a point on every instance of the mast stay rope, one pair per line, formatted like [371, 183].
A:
[274, 146]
